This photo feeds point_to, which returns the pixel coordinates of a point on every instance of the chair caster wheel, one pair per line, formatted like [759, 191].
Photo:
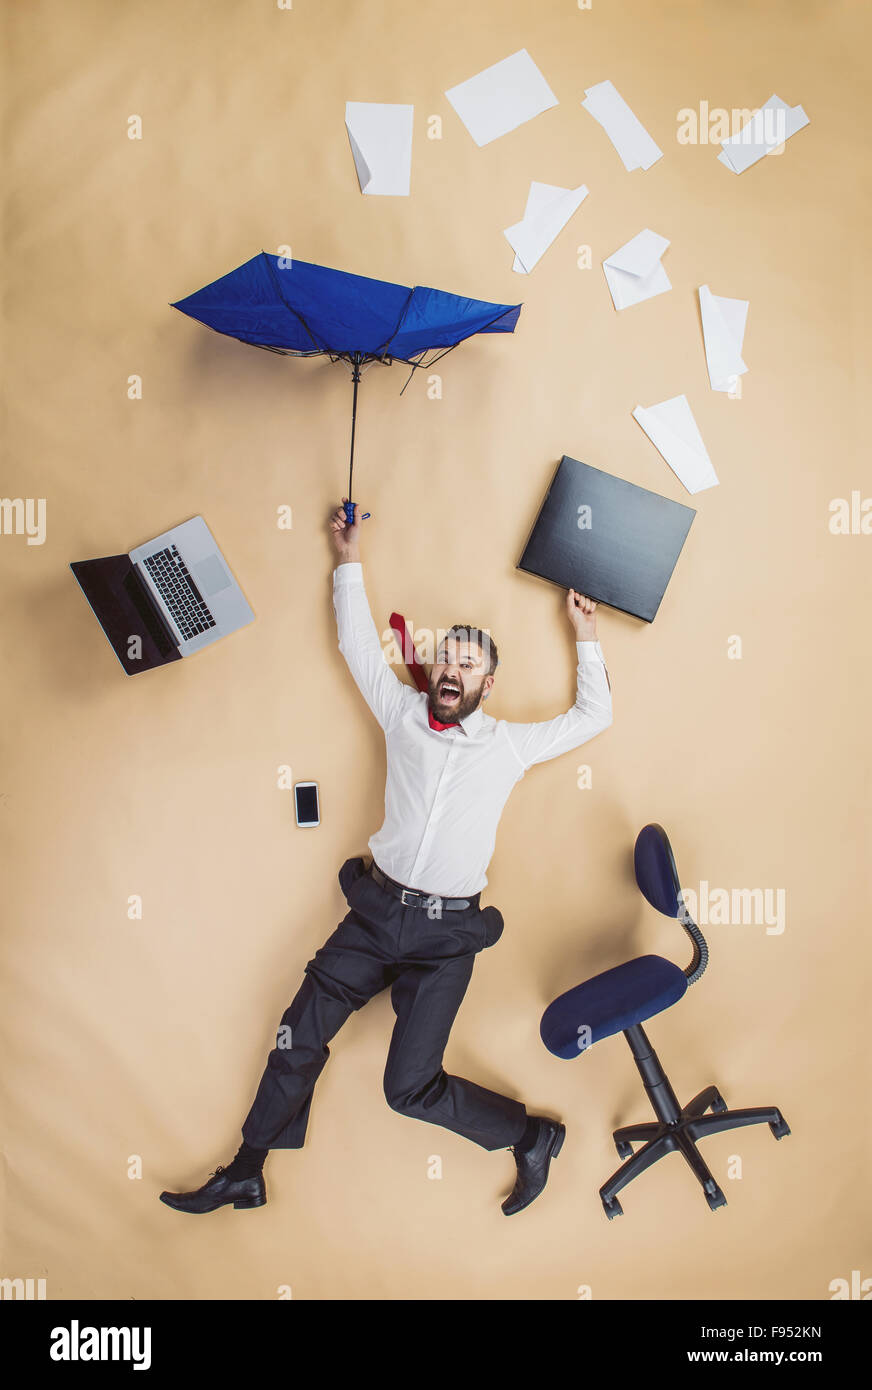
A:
[624, 1148]
[612, 1207]
[780, 1128]
[716, 1199]
[719, 1105]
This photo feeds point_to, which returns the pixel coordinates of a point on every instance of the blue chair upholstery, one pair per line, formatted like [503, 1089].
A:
[610, 1002]
[656, 873]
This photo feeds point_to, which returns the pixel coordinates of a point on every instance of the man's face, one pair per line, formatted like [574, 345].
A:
[458, 680]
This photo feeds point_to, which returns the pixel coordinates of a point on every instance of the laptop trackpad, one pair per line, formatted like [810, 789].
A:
[211, 575]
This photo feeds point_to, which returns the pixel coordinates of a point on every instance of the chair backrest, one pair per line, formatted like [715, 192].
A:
[657, 877]
[656, 873]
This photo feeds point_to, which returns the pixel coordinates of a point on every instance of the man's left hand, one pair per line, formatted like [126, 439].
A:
[582, 615]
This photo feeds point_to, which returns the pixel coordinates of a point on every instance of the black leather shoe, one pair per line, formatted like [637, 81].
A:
[218, 1192]
[533, 1165]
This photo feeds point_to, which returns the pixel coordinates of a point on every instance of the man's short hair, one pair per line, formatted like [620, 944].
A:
[465, 632]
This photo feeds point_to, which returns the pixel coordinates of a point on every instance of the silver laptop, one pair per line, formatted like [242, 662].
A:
[165, 599]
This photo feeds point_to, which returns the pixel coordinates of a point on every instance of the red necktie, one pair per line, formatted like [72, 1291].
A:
[407, 648]
[435, 724]
[410, 656]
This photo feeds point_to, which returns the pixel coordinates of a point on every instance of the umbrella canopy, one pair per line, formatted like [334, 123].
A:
[304, 310]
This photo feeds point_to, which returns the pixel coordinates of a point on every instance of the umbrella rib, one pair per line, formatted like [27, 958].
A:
[442, 354]
[399, 322]
[268, 347]
[503, 310]
[290, 307]
[416, 365]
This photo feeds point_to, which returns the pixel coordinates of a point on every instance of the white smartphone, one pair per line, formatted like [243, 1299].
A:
[306, 803]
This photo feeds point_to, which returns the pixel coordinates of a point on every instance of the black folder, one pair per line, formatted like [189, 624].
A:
[609, 539]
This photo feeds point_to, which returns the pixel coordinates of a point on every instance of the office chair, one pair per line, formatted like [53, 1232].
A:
[619, 1000]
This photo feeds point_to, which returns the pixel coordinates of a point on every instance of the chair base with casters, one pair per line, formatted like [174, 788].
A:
[677, 1127]
[620, 1001]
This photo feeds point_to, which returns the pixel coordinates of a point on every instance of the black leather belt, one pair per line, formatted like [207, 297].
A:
[410, 897]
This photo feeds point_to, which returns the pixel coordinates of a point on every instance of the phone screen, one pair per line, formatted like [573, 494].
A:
[307, 803]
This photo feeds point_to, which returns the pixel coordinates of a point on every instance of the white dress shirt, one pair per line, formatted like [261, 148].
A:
[446, 790]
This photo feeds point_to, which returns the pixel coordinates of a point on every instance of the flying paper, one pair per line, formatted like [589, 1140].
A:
[548, 210]
[626, 132]
[502, 97]
[723, 330]
[673, 431]
[380, 135]
[767, 129]
[634, 272]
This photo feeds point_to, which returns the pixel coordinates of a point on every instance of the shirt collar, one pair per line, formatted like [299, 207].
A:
[473, 722]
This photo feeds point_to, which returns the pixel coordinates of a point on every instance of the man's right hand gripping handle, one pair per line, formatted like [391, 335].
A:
[346, 539]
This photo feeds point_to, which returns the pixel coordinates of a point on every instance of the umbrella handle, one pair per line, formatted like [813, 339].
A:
[349, 514]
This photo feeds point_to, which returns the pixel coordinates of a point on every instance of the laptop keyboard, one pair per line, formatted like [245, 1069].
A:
[169, 574]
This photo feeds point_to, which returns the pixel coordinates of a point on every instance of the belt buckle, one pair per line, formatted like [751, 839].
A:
[403, 896]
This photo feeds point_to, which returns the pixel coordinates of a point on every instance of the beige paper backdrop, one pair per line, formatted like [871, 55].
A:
[147, 1038]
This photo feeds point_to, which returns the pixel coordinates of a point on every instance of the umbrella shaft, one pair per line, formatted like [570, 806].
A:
[355, 377]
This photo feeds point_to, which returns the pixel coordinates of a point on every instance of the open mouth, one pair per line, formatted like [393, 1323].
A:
[449, 693]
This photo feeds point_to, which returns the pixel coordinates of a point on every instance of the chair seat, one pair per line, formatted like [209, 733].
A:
[609, 1003]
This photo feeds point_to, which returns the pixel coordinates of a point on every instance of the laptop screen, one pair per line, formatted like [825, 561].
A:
[126, 612]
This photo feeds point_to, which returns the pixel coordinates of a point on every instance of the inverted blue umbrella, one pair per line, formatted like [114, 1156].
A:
[305, 310]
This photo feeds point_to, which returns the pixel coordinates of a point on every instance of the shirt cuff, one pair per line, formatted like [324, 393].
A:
[588, 651]
[348, 572]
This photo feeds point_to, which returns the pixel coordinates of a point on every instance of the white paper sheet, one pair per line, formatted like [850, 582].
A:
[767, 129]
[380, 135]
[549, 208]
[723, 330]
[502, 97]
[673, 431]
[622, 126]
[634, 272]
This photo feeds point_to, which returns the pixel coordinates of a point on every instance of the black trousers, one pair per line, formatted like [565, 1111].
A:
[427, 961]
